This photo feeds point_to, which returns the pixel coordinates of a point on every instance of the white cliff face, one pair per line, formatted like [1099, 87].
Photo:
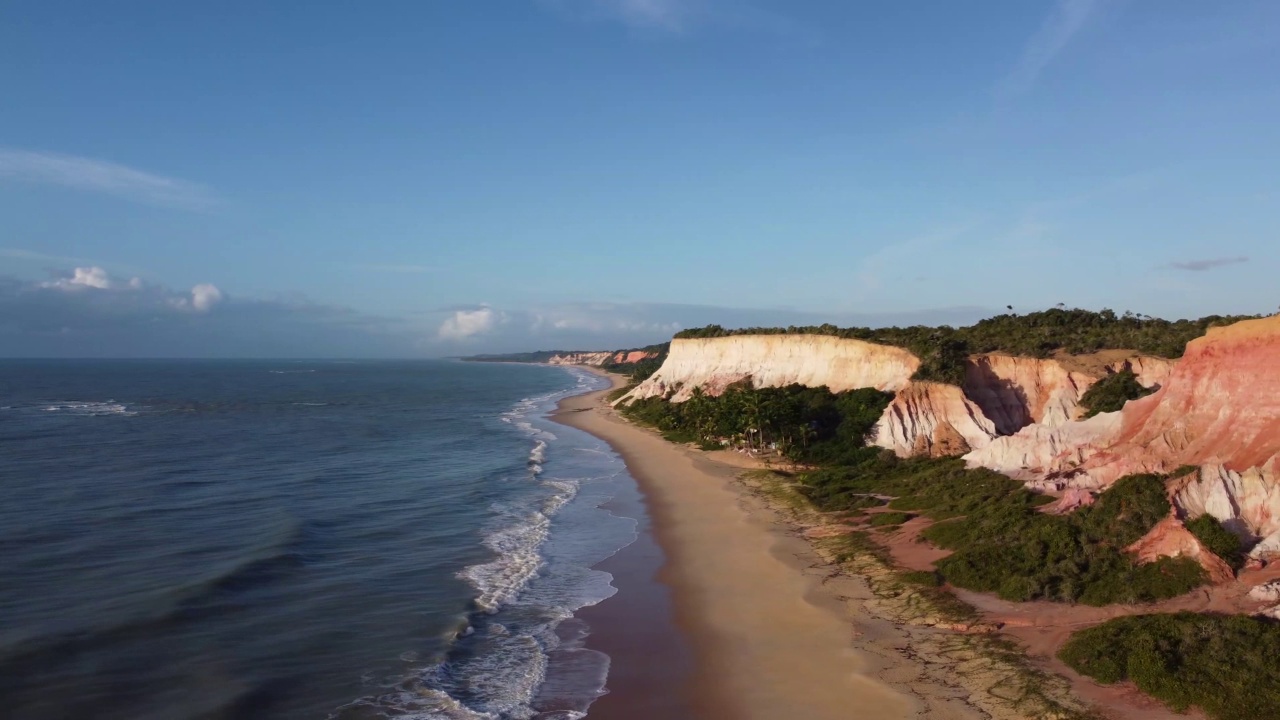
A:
[932, 419]
[776, 361]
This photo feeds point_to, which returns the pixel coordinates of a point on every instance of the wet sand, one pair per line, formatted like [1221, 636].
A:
[767, 624]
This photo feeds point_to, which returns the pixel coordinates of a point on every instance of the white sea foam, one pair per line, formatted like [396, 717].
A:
[90, 408]
[537, 456]
[499, 580]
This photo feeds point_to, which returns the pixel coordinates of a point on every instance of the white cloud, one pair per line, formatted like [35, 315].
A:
[90, 277]
[204, 296]
[467, 323]
[101, 176]
[1066, 19]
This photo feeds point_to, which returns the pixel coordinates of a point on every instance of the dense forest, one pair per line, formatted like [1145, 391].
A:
[942, 350]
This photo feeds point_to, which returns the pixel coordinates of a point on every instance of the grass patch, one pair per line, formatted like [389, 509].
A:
[1228, 665]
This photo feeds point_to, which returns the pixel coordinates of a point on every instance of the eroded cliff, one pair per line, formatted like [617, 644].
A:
[933, 419]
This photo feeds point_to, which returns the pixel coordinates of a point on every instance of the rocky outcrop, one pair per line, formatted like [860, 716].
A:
[1151, 372]
[1015, 392]
[1266, 592]
[1049, 458]
[713, 364]
[1246, 502]
[1169, 538]
[933, 419]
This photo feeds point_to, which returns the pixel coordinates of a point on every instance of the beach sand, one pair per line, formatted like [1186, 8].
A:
[770, 627]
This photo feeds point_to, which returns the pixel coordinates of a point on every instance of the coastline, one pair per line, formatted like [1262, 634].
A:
[774, 628]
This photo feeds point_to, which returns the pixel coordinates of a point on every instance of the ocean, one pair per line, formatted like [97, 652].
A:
[299, 539]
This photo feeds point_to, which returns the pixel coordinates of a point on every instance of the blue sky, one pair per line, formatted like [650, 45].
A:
[427, 178]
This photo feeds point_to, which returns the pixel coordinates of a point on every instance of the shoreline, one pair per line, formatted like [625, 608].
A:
[774, 629]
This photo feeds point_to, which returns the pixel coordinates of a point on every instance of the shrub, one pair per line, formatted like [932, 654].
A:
[1228, 665]
[1220, 541]
[1003, 544]
[1111, 393]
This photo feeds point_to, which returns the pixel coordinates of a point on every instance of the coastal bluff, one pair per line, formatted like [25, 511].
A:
[1215, 410]
[1001, 394]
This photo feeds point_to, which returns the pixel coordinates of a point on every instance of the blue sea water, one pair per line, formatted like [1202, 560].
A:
[298, 539]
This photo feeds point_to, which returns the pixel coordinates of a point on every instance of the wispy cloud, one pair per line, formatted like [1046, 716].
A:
[105, 177]
[665, 15]
[1064, 21]
[20, 254]
[682, 17]
[393, 268]
[1207, 263]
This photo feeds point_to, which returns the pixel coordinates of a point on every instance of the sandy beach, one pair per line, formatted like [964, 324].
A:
[773, 631]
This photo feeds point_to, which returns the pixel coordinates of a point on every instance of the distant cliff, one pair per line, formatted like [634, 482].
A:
[595, 358]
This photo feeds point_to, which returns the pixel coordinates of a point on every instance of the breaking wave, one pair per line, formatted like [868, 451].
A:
[90, 408]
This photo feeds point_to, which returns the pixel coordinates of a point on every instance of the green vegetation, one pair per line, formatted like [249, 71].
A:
[942, 350]
[1220, 541]
[1111, 393]
[1225, 664]
[804, 424]
[1003, 544]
